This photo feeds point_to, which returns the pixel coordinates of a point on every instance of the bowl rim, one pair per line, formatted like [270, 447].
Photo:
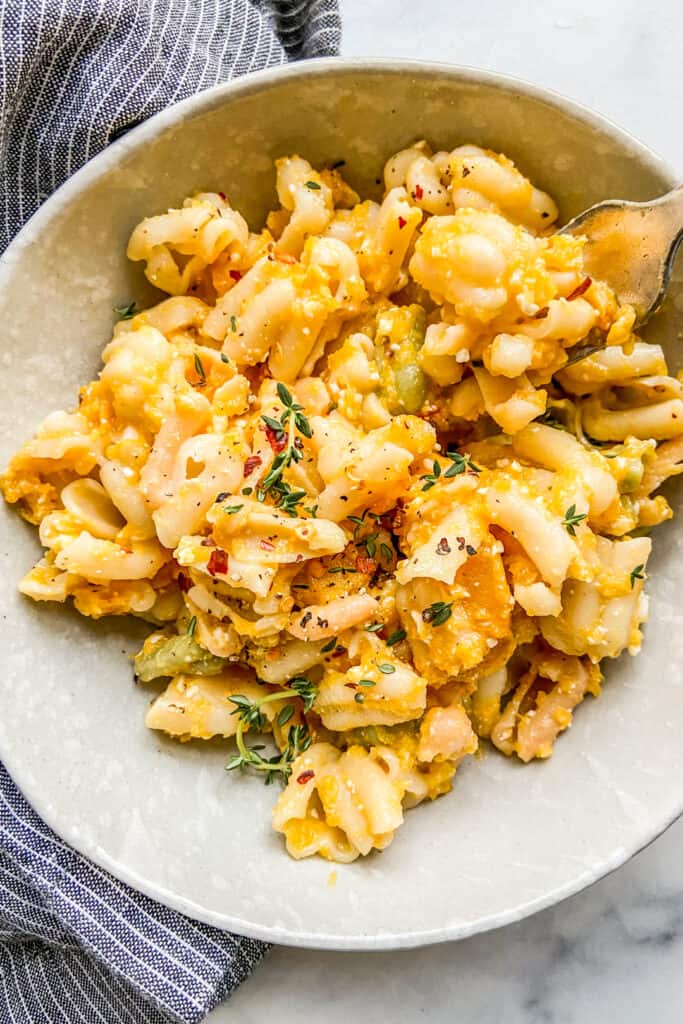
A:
[98, 167]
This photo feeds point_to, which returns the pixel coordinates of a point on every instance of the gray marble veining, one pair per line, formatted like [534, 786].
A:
[614, 952]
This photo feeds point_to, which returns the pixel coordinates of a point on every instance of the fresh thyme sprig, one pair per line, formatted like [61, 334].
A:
[369, 543]
[437, 613]
[571, 519]
[360, 521]
[251, 716]
[199, 369]
[284, 432]
[637, 574]
[369, 540]
[386, 552]
[431, 478]
[125, 312]
[459, 464]
[286, 497]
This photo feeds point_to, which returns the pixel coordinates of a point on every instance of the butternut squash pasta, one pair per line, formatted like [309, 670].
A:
[349, 472]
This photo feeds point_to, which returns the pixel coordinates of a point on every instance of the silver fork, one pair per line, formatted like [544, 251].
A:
[632, 247]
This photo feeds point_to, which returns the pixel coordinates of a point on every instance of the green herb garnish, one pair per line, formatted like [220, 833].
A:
[199, 367]
[369, 543]
[637, 574]
[460, 464]
[285, 714]
[386, 552]
[431, 478]
[251, 716]
[286, 498]
[291, 421]
[437, 613]
[571, 519]
[125, 312]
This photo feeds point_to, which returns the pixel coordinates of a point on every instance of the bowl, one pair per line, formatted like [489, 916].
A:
[165, 817]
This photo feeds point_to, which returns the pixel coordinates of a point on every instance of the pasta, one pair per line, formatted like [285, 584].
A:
[349, 475]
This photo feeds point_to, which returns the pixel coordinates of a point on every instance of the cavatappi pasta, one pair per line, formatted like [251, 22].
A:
[347, 472]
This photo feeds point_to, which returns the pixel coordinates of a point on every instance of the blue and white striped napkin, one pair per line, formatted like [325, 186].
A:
[76, 945]
[76, 74]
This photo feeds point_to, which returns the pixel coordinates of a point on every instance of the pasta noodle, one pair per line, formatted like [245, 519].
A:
[348, 473]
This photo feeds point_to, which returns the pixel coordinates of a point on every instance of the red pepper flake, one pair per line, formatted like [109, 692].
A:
[364, 564]
[461, 543]
[218, 562]
[184, 582]
[465, 172]
[267, 545]
[236, 275]
[305, 777]
[284, 257]
[351, 686]
[276, 439]
[252, 463]
[402, 222]
[470, 550]
[419, 192]
[222, 195]
[443, 547]
[583, 287]
[542, 313]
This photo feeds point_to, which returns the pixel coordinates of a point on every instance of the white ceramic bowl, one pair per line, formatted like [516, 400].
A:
[166, 817]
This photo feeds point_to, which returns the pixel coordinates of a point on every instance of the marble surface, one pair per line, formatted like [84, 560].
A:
[612, 953]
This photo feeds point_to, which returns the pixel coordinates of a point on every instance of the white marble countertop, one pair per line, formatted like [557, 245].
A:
[612, 953]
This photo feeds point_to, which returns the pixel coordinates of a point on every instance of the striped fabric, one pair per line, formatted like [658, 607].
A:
[75, 74]
[77, 946]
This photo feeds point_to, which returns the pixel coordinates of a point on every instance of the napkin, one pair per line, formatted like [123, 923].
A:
[76, 74]
[76, 945]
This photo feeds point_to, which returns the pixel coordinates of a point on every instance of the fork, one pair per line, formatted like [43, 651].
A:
[632, 247]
